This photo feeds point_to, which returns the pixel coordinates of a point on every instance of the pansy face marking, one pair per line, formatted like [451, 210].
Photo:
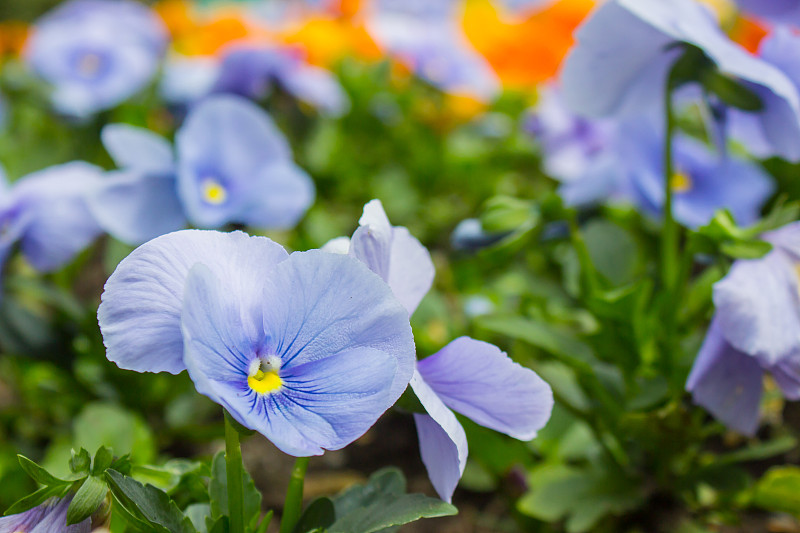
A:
[214, 192]
[681, 182]
[263, 375]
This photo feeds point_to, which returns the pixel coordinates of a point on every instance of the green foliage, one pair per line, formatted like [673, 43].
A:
[380, 505]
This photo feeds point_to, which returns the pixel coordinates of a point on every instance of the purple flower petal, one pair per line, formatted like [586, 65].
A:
[727, 382]
[442, 441]
[140, 312]
[481, 382]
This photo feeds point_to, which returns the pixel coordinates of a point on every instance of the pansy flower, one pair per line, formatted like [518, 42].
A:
[781, 49]
[49, 517]
[778, 11]
[425, 37]
[47, 214]
[96, 53]
[231, 165]
[755, 329]
[252, 70]
[503, 395]
[308, 349]
[627, 48]
[702, 182]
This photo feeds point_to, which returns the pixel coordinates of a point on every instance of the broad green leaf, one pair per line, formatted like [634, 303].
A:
[106, 424]
[779, 490]
[39, 474]
[198, 513]
[542, 335]
[218, 492]
[86, 501]
[148, 504]
[382, 503]
[319, 514]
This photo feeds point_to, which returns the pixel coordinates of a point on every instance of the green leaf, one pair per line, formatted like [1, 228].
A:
[779, 490]
[86, 501]
[218, 492]
[382, 503]
[542, 335]
[148, 504]
[106, 424]
[265, 521]
[39, 474]
[198, 513]
[102, 460]
[581, 496]
[319, 514]
[746, 249]
[80, 461]
[760, 451]
[732, 92]
[32, 500]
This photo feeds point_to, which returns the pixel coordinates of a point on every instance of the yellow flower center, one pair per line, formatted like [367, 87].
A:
[213, 191]
[263, 376]
[680, 182]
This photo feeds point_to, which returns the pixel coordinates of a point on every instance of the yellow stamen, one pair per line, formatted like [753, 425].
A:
[264, 382]
[213, 191]
[680, 182]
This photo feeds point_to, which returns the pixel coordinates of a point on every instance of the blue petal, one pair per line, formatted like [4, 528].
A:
[604, 74]
[411, 269]
[758, 307]
[280, 194]
[787, 375]
[138, 149]
[135, 208]
[49, 517]
[324, 403]
[372, 241]
[727, 382]
[779, 11]
[481, 382]
[230, 141]
[140, 313]
[321, 304]
[316, 87]
[442, 441]
[59, 223]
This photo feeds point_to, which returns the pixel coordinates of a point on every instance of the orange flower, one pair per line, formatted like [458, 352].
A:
[194, 34]
[527, 52]
[12, 37]
[326, 40]
[748, 33]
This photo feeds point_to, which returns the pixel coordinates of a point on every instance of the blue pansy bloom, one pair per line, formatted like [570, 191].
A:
[49, 517]
[626, 49]
[231, 165]
[782, 49]
[96, 53]
[778, 11]
[630, 167]
[755, 329]
[702, 183]
[503, 396]
[46, 213]
[308, 349]
[252, 70]
[426, 38]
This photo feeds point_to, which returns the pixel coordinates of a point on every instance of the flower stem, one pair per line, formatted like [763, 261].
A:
[294, 496]
[669, 239]
[234, 473]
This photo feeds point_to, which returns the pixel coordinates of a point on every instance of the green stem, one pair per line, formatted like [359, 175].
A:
[294, 496]
[234, 473]
[669, 242]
